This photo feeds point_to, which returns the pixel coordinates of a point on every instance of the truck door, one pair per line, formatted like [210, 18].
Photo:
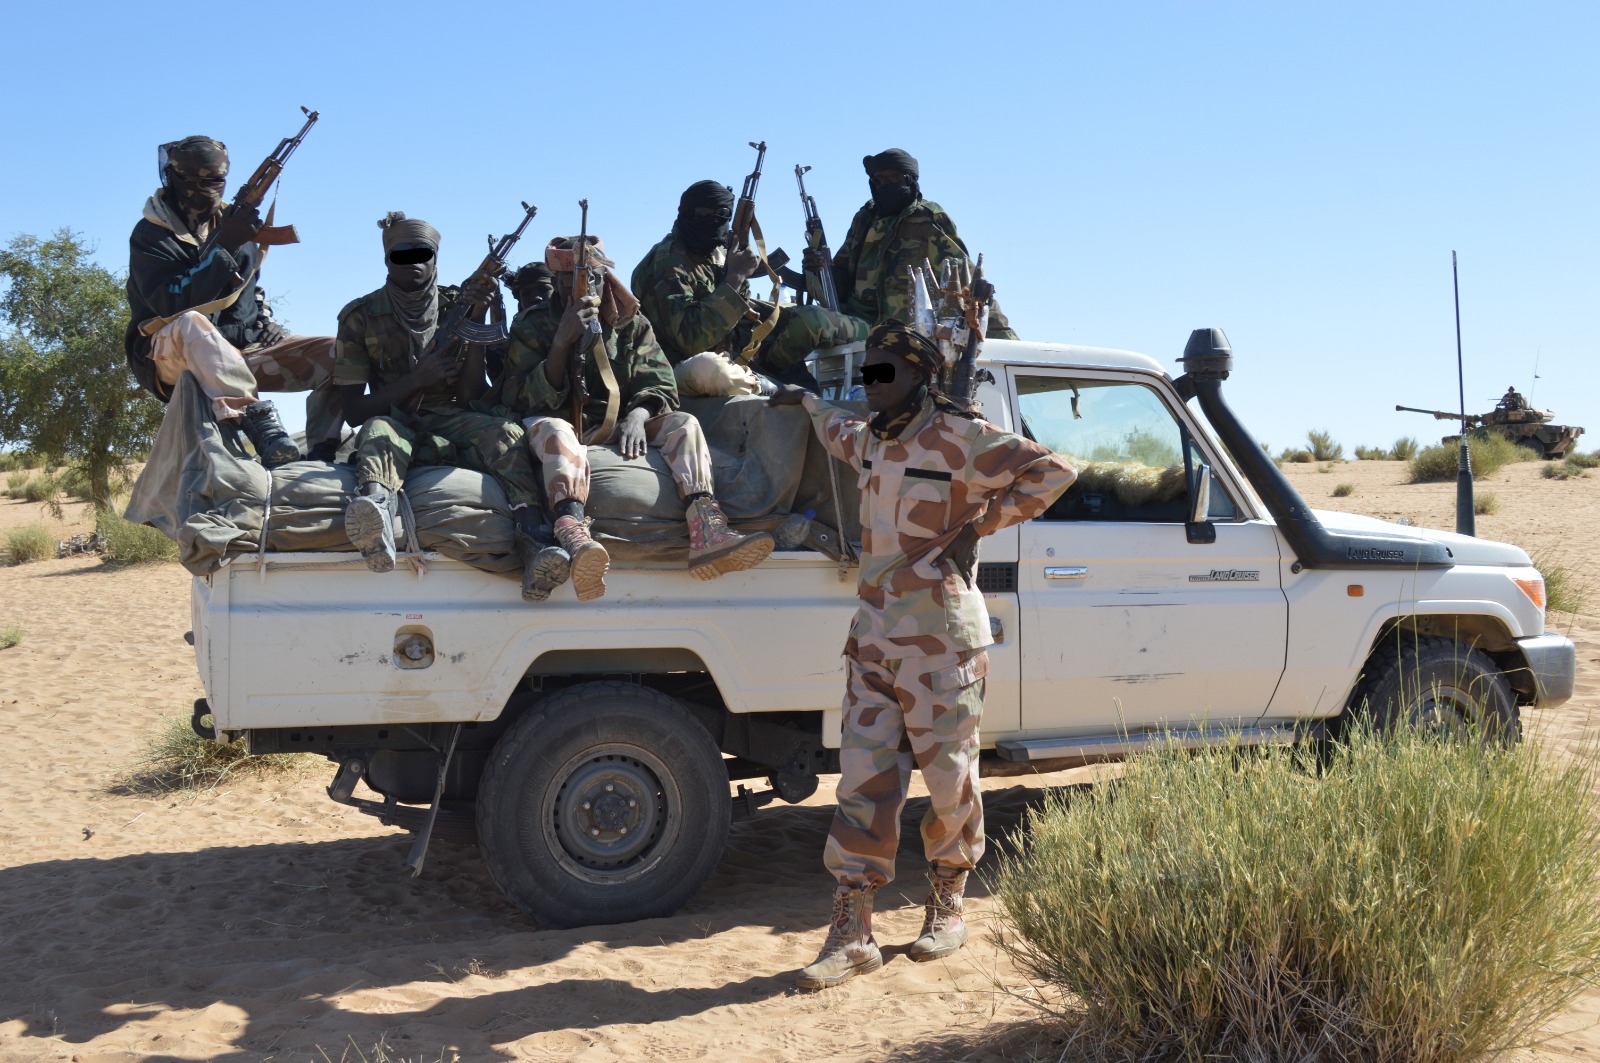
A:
[1126, 623]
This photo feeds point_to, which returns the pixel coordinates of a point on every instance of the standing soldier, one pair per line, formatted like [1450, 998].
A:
[696, 292]
[222, 329]
[895, 230]
[632, 404]
[937, 479]
[412, 408]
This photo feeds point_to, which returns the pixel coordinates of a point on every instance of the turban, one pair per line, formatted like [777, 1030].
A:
[617, 304]
[532, 273]
[705, 194]
[892, 159]
[399, 229]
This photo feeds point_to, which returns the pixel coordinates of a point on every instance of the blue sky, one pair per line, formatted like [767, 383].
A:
[1296, 174]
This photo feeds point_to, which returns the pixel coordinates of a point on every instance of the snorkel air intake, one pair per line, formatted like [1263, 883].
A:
[1207, 361]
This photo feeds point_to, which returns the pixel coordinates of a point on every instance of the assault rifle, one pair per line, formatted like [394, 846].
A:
[254, 191]
[580, 290]
[816, 259]
[744, 212]
[459, 321]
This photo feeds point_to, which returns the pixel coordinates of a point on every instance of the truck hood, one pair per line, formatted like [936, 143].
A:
[1464, 549]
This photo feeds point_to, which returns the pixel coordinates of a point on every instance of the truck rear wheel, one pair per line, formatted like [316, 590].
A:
[606, 803]
[1436, 684]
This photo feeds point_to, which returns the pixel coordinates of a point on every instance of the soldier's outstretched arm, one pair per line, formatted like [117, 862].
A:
[842, 433]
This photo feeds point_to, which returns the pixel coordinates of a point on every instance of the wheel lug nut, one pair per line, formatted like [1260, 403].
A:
[632, 803]
[586, 806]
[595, 831]
[609, 788]
[624, 830]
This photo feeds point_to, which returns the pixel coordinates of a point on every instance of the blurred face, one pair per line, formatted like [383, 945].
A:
[892, 190]
[888, 394]
[535, 291]
[199, 189]
[412, 267]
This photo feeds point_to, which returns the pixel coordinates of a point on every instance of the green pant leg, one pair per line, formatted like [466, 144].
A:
[383, 452]
[491, 445]
[801, 330]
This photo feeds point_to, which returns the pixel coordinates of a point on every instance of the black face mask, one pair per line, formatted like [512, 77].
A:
[889, 199]
[703, 232]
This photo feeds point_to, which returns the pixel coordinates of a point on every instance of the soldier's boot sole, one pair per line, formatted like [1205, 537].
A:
[748, 552]
[830, 971]
[936, 946]
[590, 563]
[550, 569]
[367, 524]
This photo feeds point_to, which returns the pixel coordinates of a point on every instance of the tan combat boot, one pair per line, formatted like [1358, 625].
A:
[943, 929]
[589, 559]
[850, 949]
[715, 548]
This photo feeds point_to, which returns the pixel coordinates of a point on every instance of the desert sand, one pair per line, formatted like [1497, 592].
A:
[260, 921]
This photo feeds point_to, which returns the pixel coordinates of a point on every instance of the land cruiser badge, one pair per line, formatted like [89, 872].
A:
[1229, 575]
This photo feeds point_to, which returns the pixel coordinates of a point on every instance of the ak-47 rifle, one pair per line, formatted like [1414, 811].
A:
[254, 191]
[577, 370]
[740, 230]
[816, 259]
[459, 322]
[744, 212]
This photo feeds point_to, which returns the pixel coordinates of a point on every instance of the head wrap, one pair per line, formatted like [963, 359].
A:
[892, 159]
[399, 229]
[919, 352]
[532, 273]
[617, 304]
[193, 156]
[705, 194]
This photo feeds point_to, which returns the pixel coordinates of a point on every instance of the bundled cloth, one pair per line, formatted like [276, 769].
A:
[714, 373]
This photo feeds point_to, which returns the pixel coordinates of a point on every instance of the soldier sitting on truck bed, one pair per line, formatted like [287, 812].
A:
[410, 407]
[696, 293]
[632, 404]
[895, 230]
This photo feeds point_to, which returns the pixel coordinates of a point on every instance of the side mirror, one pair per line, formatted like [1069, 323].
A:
[1199, 528]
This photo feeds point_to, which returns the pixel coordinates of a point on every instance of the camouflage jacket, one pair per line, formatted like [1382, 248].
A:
[641, 369]
[373, 347]
[685, 297]
[917, 492]
[870, 266]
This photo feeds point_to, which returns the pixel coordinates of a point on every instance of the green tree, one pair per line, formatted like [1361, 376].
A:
[65, 389]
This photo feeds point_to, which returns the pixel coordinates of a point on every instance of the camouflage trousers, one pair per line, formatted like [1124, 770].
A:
[565, 461]
[231, 378]
[910, 712]
[388, 446]
[801, 330]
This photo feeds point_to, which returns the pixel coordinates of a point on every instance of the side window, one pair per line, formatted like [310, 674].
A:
[1125, 444]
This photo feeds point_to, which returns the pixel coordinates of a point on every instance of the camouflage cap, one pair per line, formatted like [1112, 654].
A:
[897, 337]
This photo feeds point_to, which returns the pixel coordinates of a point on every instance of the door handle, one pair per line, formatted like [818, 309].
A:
[1066, 572]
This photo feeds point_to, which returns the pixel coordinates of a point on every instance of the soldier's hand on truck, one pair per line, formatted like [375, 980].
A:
[787, 395]
[630, 434]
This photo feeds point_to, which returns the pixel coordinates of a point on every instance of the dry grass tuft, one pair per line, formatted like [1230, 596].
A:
[1410, 898]
[11, 635]
[178, 759]
[1485, 504]
[1490, 453]
[41, 488]
[1297, 457]
[132, 544]
[1584, 461]
[30, 542]
[1344, 490]
[1405, 448]
[1565, 470]
[1323, 447]
[1566, 589]
[382, 1053]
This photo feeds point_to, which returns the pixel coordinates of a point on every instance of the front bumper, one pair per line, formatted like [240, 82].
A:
[1551, 672]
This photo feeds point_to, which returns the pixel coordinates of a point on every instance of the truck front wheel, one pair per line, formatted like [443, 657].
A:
[606, 803]
[1436, 684]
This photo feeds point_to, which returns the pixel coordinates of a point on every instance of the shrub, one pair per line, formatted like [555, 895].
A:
[31, 542]
[1484, 503]
[74, 481]
[132, 544]
[1564, 589]
[1372, 454]
[11, 635]
[1405, 448]
[1302, 457]
[1584, 461]
[17, 482]
[41, 488]
[12, 460]
[1323, 448]
[1417, 899]
[1344, 490]
[1490, 453]
[176, 758]
[1566, 470]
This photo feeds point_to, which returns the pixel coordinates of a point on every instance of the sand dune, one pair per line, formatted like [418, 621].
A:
[259, 921]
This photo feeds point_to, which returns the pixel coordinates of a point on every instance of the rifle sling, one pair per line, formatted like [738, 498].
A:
[600, 434]
[764, 326]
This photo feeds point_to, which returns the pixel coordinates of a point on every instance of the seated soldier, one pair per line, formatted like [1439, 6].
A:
[410, 407]
[695, 291]
[532, 284]
[622, 357]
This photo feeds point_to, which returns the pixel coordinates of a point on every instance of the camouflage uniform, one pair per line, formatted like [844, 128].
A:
[374, 348]
[646, 380]
[916, 650]
[695, 310]
[870, 266]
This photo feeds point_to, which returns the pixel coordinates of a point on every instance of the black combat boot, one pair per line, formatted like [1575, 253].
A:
[266, 434]
[369, 522]
[545, 566]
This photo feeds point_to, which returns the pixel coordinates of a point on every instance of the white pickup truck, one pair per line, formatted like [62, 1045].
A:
[1180, 588]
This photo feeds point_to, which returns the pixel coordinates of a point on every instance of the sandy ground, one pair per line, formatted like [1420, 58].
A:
[259, 921]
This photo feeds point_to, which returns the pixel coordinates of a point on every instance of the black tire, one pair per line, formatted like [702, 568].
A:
[641, 848]
[1436, 684]
[1532, 443]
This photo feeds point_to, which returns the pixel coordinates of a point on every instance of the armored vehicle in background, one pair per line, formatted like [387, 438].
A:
[1519, 422]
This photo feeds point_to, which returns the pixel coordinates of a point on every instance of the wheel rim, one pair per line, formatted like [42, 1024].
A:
[611, 813]
[1445, 709]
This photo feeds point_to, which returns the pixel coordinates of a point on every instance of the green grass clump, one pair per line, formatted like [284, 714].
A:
[1565, 470]
[1565, 590]
[132, 544]
[30, 542]
[1490, 453]
[11, 635]
[1299, 457]
[1584, 461]
[1485, 504]
[1415, 899]
[1405, 448]
[1344, 490]
[41, 488]
[17, 482]
[1323, 447]
[1371, 454]
[176, 758]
